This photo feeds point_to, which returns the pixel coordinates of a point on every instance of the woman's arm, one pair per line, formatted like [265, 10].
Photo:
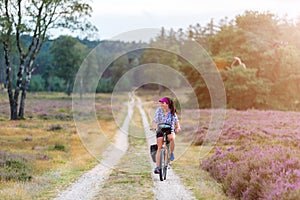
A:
[155, 119]
[153, 127]
[177, 127]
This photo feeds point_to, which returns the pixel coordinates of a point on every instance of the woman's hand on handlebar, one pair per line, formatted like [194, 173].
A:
[152, 129]
[177, 130]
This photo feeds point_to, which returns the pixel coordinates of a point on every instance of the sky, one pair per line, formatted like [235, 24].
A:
[115, 17]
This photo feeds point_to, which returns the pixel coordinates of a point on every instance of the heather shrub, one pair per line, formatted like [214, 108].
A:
[256, 172]
[58, 147]
[55, 127]
[14, 167]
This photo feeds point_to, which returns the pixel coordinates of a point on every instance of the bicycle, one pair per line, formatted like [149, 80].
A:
[165, 151]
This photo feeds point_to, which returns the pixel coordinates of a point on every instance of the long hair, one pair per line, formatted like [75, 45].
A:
[171, 105]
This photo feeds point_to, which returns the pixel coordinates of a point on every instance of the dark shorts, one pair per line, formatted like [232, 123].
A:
[160, 132]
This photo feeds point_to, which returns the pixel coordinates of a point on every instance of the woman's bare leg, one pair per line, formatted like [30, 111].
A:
[171, 138]
[159, 145]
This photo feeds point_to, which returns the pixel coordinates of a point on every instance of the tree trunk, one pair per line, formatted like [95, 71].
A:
[9, 82]
[2, 82]
[22, 104]
[18, 89]
[25, 84]
[23, 96]
[68, 88]
[81, 88]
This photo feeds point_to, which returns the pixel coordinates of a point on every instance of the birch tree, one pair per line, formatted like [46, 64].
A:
[35, 18]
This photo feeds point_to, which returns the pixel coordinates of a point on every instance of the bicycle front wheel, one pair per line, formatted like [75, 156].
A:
[165, 172]
[166, 162]
[162, 165]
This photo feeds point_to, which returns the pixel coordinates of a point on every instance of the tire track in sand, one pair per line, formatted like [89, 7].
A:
[89, 184]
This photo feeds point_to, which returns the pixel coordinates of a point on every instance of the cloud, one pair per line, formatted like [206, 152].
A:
[115, 16]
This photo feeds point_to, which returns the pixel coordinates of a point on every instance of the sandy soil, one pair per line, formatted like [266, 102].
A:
[90, 184]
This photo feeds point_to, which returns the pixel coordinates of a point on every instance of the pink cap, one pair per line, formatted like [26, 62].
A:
[164, 100]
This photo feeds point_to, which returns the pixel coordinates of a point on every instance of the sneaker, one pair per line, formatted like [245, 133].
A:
[156, 170]
[172, 157]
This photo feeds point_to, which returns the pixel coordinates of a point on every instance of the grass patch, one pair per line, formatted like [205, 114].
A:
[58, 147]
[131, 178]
[55, 158]
[51, 150]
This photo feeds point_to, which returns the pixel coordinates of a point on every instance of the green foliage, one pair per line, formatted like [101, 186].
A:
[32, 20]
[262, 24]
[243, 88]
[55, 84]
[46, 76]
[68, 54]
[163, 51]
[266, 44]
[104, 85]
[118, 68]
[202, 93]
[60, 147]
[121, 65]
[37, 83]
[167, 41]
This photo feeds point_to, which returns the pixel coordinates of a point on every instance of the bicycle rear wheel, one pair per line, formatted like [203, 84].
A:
[162, 165]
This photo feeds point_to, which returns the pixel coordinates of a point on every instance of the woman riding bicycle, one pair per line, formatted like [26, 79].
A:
[166, 113]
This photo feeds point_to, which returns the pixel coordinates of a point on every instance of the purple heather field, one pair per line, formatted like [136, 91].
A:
[257, 154]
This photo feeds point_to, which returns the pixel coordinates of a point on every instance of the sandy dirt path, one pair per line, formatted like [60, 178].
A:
[89, 184]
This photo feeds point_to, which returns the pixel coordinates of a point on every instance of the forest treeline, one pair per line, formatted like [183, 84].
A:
[256, 53]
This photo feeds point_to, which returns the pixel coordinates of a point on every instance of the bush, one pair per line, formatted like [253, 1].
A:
[256, 172]
[14, 167]
[105, 85]
[37, 83]
[60, 147]
[55, 84]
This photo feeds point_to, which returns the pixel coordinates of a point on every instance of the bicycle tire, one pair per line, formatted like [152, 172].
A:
[166, 162]
[165, 172]
[162, 164]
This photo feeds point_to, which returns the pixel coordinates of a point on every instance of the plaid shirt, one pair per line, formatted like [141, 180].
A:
[160, 117]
